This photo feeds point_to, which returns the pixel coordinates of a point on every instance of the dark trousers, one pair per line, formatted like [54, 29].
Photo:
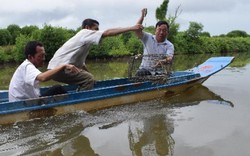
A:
[54, 90]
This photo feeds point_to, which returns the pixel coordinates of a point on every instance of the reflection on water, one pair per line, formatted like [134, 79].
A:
[77, 146]
[151, 136]
[143, 128]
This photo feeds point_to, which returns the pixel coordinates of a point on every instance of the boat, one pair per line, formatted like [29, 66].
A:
[108, 93]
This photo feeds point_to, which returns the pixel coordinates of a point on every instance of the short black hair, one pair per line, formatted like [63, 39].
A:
[159, 23]
[89, 22]
[30, 48]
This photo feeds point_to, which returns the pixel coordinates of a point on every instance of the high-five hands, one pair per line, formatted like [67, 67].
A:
[144, 12]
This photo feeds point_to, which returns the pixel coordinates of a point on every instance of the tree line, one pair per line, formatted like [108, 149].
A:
[191, 41]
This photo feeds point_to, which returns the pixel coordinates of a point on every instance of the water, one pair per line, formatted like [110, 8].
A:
[207, 120]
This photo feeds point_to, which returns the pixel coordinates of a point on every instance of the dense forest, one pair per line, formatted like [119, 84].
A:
[191, 41]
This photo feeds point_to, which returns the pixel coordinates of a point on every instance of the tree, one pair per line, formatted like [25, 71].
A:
[237, 33]
[125, 37]
[194, 31]
[15, 31]
[205, 34]
[134, 45]
[161, 11]
[5, 37]
[53, 38]
[174, 27]
[192, 37]
[28, 30]
[21, 41]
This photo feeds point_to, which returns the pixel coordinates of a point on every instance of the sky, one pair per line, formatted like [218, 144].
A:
[216, 16]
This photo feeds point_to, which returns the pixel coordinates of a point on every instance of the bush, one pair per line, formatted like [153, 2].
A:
[19, 48]
[53, 38]
[6, 54]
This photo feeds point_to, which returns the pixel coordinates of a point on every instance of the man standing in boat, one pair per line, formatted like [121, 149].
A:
[24, 83]
[76, 49]
[157, 49]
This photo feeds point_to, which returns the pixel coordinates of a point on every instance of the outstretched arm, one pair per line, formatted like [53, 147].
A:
[45, 76]
[117, 31]
[140, 21]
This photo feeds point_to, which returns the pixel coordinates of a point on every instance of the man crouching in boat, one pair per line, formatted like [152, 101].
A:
[25, 81]
[76, 50]
[158, 51]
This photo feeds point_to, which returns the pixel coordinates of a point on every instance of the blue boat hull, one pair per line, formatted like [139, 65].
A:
[107, 93]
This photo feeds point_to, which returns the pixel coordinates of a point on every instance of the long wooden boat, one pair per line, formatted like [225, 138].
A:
[107, 93]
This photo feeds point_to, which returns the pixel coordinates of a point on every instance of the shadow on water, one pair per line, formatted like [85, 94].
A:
[194, 96]
[148, 127]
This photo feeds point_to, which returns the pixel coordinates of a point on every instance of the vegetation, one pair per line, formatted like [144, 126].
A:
[192, 41]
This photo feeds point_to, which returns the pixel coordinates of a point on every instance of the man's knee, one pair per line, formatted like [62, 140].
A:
[87, 82]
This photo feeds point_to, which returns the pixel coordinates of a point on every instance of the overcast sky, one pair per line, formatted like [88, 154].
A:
[217, 16]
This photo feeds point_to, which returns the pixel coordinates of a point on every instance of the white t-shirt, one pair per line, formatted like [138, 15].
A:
[23, 84]
[76, 49]
[154, 51]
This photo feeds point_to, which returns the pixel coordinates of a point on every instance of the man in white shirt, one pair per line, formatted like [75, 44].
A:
[76, 49]
[157, 49]
[24, 83]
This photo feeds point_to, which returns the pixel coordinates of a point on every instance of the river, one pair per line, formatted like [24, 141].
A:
[207, 120]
